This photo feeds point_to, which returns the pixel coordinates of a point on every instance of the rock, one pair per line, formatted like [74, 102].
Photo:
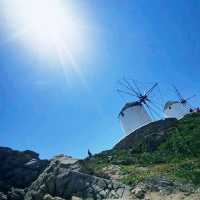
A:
[139, 192]
[19, 169]
[16, 194]
[152, 135]
[161, 184]
[3, 196]
[76, 198]
[49, 197]
[63, 178]
[112, 171]
[32, 154]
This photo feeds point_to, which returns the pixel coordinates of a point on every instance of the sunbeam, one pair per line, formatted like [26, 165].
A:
[47, 26]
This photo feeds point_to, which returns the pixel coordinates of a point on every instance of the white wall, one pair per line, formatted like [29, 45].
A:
[178, 110]
[134, 118]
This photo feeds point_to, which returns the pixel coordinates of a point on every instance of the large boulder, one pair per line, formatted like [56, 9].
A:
[19, 169]
[63, 178]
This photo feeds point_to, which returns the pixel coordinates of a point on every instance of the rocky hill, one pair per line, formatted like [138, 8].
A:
[152, 135]
[158, 161]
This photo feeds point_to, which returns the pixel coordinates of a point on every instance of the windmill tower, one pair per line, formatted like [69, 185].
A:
[137, 113]
[179, 108]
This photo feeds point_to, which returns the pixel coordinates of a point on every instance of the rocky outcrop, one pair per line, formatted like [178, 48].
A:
[19, 169]
[63, 179]
[24, 176]
[158, 188]
[149, 136]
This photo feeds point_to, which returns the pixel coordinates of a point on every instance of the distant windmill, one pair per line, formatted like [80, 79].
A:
[178, 108]
[139, 112]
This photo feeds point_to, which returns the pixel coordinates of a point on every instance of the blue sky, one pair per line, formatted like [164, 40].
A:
[49, 111]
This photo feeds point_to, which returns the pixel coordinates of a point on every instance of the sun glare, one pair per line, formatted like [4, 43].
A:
[46, 25]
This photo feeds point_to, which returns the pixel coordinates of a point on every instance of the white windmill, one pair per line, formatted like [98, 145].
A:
[179, 108]
[137, 113]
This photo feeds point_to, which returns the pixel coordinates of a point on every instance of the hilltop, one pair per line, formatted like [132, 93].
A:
[158, 161]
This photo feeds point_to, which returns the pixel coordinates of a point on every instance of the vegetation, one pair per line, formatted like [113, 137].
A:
[177, 158]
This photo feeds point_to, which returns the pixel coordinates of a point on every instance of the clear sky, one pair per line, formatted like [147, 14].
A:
[67, 102]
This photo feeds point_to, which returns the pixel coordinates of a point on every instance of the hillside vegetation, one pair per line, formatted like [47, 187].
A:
[160, 161]
[177, 158]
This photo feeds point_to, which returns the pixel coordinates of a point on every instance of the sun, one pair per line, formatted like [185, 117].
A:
[46, 25]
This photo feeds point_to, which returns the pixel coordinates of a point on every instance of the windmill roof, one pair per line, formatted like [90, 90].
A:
[169, 103]
[129, 105]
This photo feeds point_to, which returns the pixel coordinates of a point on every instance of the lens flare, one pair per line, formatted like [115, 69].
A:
[46, 25]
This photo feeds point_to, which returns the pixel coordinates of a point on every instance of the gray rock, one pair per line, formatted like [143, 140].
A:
[16, 194]
[62, 178]
[19, 169]
[3, 196]
[139, 192]
[161, 184]
[49, 197]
